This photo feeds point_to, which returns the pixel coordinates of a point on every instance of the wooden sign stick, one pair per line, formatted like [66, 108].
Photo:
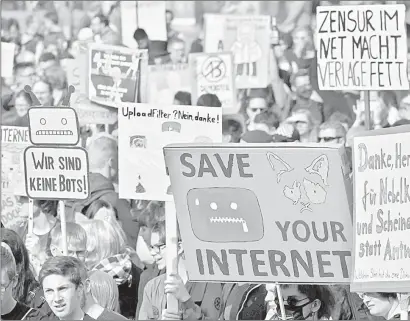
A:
[30, 216]
[63, 221]
[172, 251]
[368, 119]
[281, 304]
[404, 305]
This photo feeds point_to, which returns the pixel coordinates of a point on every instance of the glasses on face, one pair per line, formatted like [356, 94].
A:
[157, 248]
[292, 303]
[329, 139]
[257, 110]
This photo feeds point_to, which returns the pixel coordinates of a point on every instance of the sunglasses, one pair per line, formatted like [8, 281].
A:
[329, 139]
[291, 304]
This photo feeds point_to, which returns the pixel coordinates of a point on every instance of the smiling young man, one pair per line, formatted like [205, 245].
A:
[62, 279]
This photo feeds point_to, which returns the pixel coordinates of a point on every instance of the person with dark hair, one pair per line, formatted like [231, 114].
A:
[43, 90]
[141, 37]
[17, 116]
[182, 98]
[381, 304]
[232, 128]
[63, 279]
[307, 302]
[103, 33]
[47, 60]
[11, 308]
[267, 121]
[171, 33]
[197, 300]
[27, 290]
[209, 100]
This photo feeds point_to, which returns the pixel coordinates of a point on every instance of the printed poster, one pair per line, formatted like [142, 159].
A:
[263, 214]
[152, 18]
[115, 74]
[362, 54]
[87, 111]
[164, 81]
[248, 38]
[7, 59]
[382, 211]
[213, 74]
[13, 142]
[143, 131]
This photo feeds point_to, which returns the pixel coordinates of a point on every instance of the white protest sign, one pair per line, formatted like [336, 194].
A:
[362, 47]
[382, 212]
[13, 142]
[143, 131]
[128, 23]
[7, 59]
[151, 18]
[58, 173]
[213, 74]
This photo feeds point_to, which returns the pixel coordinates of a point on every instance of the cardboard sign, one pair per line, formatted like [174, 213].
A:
[362, 47]
[165, 81]
[116, 74]
[213, 74]
[128, 23]
[265, 213]
[151, 18]
[13, 142]
[7, 59]
[248, 38]
[87, 111]
[56, 173]
[382, 211]
[12, 215]
[53, 126]
[143, 131]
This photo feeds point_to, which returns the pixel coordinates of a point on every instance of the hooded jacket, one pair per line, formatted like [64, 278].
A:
[101, 188]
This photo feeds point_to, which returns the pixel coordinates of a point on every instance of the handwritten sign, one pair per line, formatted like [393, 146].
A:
[247, 37]
[12, 214]
[165, 81]
[7, 59]
[151, 18]
[362, 47]
[213, 74]
[56, 173]
[143, 131]
[13, 142]
[382, 212]
[115, 74]
[261, 214]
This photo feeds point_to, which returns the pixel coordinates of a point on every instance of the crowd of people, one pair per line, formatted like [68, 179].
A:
[116, 263]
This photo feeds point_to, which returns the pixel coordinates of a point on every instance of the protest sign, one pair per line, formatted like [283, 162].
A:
[7, 59]
[248, 38]
[87, 111]
[213, 74]
[143, 131]
[128, 23]
[115, 74]
[151, 18]
[13, 142]
[164, 81]
[265, 213]
[362, 47]
[381, 164]
[12, 215]
[58, 173]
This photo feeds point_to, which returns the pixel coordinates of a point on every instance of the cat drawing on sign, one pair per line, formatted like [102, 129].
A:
[246, 50]
[278, 165]
[315, 193]
[320, 166]
[293, 193]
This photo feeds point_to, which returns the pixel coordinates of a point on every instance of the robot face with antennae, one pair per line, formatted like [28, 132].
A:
[53, 125]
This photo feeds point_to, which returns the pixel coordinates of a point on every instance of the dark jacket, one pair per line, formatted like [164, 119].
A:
[101, 188]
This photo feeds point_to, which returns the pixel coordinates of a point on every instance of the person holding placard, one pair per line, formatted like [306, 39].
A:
[196, 300]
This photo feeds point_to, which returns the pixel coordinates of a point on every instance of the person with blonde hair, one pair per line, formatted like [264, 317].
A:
[101, 297]
[303, 121]
[108, 252]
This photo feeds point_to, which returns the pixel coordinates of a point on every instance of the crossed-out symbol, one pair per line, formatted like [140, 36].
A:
[213, 69]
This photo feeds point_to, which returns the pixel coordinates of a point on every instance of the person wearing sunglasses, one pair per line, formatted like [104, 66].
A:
[332, 132]
[307, 302]
[385, 305]
[11, 309]
[196, 300]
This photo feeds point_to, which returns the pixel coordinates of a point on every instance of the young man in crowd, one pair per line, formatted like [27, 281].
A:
[62, 279]
[197, 300]
[10, 308]
[177, 50]
[103, 33]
